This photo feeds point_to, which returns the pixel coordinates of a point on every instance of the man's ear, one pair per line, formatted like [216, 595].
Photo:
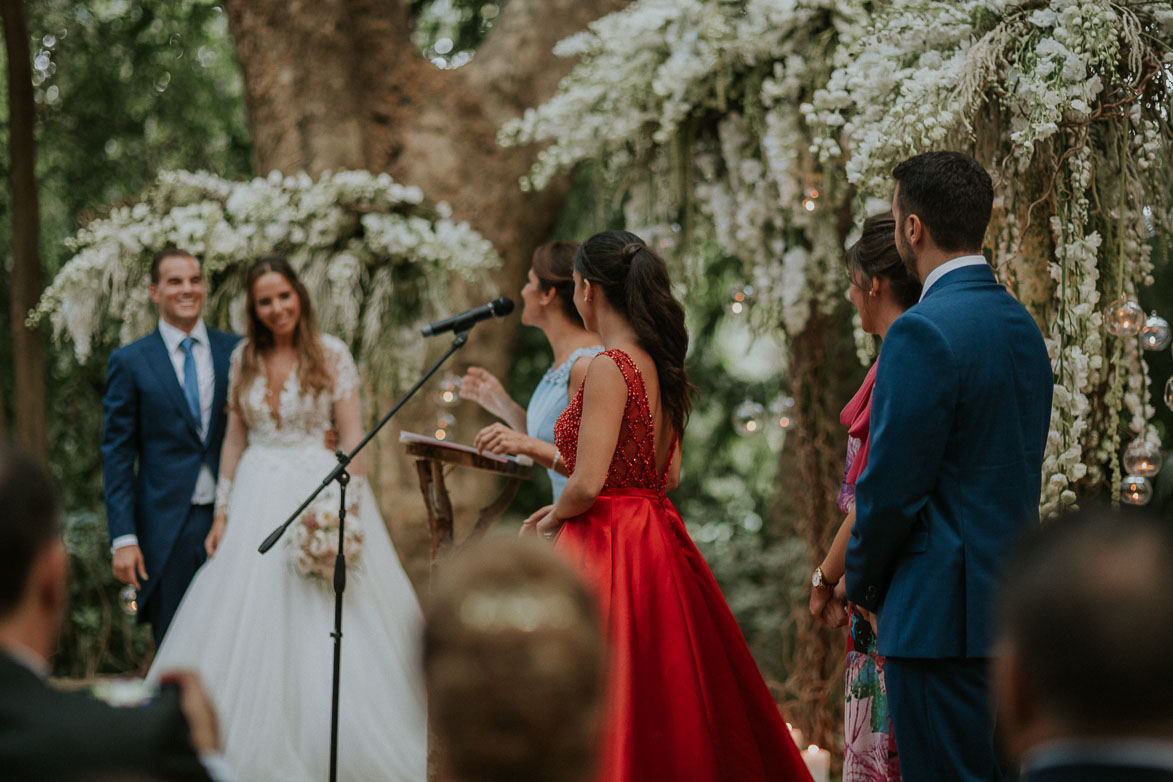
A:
[153, 292]
[914, 229]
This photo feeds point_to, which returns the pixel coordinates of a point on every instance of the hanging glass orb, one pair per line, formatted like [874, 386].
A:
[449, 393]
[1169, 393]
[782, 412]
[1136, 490]
[741, 295]
[1155, 334]
[443, 422]
[1124, 317]
[748, 418]
[1142, 458]
[128, 600]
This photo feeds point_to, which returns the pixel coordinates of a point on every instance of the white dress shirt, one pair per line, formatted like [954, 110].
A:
[201, 351]
[953, 264]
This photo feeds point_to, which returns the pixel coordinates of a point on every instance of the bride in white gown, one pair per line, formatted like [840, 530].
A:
[256, 628]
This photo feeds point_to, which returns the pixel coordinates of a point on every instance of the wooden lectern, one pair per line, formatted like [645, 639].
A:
[431, 456]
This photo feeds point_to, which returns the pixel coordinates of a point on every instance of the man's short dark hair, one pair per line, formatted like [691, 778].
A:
[170, 251]
[29, 521]
[1087, 605]
[952, 195]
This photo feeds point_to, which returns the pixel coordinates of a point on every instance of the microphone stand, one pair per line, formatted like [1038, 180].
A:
[342, 477]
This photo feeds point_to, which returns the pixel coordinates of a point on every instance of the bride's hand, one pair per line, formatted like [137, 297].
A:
[530, 525]
[215, 534]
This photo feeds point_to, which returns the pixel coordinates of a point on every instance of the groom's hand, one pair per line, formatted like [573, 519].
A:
[129, 565]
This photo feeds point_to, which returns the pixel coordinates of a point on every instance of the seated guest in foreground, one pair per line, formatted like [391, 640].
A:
[1082, 672]
[513, 658]
[48, 734]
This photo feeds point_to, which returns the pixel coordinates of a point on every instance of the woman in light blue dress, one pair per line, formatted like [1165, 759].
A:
[547, 303]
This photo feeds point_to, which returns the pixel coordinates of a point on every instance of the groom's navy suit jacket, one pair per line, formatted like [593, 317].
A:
[960, 414]
[151, 445]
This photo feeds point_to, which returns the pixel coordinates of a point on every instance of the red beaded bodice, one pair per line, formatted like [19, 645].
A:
[633, 465]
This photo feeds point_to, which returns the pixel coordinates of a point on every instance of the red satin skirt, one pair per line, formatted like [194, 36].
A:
[686, 701]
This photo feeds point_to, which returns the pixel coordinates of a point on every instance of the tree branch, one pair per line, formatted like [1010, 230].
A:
[515, 67]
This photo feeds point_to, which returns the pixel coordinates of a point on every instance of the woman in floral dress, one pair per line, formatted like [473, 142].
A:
[881, 288]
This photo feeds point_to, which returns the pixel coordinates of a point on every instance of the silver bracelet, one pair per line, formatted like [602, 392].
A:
[554, 464]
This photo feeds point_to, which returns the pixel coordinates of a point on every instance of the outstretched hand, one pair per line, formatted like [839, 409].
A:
[483, 387]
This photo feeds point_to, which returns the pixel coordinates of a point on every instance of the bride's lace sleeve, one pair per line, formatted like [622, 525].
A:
[235, 436]
[347, 409]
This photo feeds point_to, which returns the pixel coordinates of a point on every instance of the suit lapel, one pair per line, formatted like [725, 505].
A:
[164, 370]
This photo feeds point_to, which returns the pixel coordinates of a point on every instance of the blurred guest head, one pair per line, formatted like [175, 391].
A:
[513, 658]
[33, 561]
[618, 276]
[549, 289]
[881, 287]
[1086, 632]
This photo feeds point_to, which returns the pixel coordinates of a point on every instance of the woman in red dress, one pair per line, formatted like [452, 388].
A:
[685, 699]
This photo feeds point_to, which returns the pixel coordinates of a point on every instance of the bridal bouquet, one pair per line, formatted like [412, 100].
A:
[314, 542]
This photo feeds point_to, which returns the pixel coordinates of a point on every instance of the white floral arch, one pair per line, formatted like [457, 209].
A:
[764, 122]
[376, 257]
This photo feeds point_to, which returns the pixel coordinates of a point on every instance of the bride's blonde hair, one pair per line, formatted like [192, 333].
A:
[313, 371]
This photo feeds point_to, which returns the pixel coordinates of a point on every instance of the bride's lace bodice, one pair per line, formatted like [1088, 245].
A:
[304, 417]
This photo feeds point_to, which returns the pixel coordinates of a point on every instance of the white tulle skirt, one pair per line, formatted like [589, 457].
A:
[258, 633]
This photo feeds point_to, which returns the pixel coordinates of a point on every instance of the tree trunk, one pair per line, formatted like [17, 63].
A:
[27, 347]
[823, 372]
[338, 83]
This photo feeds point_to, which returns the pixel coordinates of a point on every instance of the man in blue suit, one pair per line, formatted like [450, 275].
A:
[164, 422]
[959, 421]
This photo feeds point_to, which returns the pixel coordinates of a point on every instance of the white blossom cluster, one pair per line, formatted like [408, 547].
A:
[733, 109]
[649, 81]
[1050, 93]
[375, 257]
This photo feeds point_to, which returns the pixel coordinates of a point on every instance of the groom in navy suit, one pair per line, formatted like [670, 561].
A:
[960, 414]
[164, 422]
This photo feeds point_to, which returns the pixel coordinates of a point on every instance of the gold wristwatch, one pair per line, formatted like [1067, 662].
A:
[819, 580]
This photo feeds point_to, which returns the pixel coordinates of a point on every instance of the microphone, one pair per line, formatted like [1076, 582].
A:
[494, 309]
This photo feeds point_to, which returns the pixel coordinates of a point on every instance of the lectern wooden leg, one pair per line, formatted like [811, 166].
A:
[493, 510]
[439, 506]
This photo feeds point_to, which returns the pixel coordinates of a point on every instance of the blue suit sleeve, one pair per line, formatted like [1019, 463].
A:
[120, 445]
[913, 403]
